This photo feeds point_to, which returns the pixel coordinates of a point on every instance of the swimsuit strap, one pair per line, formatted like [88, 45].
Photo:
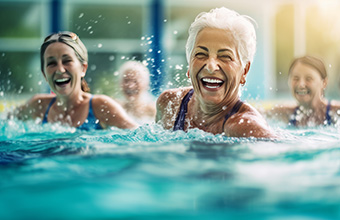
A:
[44, 121]
[233, 111]
[328, 117]
[179, 123]
[91, 121]
[292, 121]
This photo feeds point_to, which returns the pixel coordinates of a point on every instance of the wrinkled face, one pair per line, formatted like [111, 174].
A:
[63, 70]
[215, 67]
[132, 84]
[306, 83]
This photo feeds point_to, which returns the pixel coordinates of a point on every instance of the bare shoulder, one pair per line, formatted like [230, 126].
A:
[102, 104]
[172, 95]
[34, 107]
[110, 113]
[168, 104]
[98, 100]
[248, 122]
[335, 105]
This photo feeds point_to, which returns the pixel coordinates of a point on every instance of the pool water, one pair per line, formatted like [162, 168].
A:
[53, 172]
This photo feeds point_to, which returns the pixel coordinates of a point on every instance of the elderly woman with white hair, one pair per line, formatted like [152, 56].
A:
[219, 50]
[138, 102]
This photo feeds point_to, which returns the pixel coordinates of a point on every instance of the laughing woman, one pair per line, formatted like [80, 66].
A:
[63, 64]
[219, 50]
[307, 81]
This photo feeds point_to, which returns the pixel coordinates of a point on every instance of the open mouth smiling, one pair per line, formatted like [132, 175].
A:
[212, 83]
[302, 92]
[62, 81]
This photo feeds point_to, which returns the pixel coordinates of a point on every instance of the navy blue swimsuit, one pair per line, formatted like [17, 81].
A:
[91, 123]
[179, 123]
[328, 117]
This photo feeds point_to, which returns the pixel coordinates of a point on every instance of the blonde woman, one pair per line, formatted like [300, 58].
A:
[64, 61]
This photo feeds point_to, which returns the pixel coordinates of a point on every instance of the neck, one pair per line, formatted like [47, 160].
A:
[68, 103]
[316, 105]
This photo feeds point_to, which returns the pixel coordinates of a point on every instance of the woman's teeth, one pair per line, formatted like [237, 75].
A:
[212, 83]
[62, 81]
[302, 92]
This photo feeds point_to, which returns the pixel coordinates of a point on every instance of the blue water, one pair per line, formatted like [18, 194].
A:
[53, 172]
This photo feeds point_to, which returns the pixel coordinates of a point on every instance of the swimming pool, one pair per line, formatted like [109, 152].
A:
[53, 172]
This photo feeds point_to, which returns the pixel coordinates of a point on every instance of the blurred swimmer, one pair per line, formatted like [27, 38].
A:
[138, 103]
[307, 81]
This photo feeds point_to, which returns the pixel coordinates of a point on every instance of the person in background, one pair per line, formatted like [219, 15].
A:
[220, 49]
[64, 61]
[307, 80]
[134, 81]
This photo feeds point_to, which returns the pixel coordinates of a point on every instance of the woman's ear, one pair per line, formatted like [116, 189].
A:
[85, 65]
[188, 74]
[246, 69]
[325, 82]
[244, 74]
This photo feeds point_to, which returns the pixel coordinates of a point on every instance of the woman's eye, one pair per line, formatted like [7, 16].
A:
[67, 61]
[200, 55]
[226, 57]
[50, 63]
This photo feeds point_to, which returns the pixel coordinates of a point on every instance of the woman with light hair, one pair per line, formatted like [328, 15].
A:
[219, 50]
[64, 61]
[138, 103]
[307, 81]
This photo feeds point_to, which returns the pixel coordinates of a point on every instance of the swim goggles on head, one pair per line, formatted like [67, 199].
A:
[56, 36]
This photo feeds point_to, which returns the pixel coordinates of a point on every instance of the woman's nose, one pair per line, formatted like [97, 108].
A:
[60, 68]
[212, 65]
[302, 83]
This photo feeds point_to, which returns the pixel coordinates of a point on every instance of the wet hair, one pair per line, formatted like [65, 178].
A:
[137, 66]
[71, 40]
[313, 62]
[241, 27]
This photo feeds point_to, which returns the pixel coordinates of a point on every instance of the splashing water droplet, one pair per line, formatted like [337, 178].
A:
[175, 32]
[81, 15]
[178, 67]
[111, 58]
[100, 45]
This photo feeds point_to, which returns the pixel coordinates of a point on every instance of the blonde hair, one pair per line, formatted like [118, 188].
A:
[71, 40]
[312, 61]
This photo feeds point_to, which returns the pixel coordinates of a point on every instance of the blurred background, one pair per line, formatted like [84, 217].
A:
[155, 32]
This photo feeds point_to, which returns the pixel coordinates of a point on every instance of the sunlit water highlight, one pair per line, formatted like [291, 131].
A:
[53, 172]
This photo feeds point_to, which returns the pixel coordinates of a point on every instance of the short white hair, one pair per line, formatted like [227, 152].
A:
[138, 67]
[241, 27]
